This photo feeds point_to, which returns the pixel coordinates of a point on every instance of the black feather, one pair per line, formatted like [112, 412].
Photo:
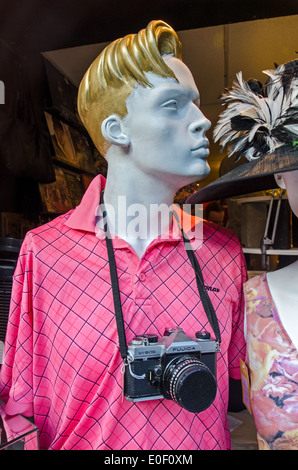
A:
[242, 123]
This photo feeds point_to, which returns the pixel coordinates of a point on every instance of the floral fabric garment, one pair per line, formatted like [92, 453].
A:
[273, 362]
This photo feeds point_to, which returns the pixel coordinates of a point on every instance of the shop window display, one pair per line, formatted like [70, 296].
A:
[140, 105]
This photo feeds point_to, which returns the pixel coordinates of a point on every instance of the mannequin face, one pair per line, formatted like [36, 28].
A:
[166, 129]
[289, 181]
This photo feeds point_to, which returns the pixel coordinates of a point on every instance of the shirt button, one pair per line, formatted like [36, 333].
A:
[142, 277]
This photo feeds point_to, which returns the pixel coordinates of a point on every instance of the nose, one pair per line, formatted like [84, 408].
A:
[200, 123]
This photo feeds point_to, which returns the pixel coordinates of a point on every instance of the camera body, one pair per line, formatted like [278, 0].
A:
[175, 367]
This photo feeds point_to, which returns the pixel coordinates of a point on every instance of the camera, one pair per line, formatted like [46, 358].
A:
[174, 366]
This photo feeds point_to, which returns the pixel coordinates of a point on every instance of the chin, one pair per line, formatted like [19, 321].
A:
[204, 172]
[201, 173]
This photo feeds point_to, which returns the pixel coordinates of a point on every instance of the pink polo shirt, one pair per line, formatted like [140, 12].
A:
[62, 361]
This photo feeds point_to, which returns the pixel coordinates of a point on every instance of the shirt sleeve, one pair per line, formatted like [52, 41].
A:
[237, 348]
[16, 370]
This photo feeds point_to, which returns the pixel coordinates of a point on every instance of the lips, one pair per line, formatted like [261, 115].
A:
[202, 150]
[203, 145]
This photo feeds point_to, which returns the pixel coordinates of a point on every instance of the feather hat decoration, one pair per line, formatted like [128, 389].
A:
[259, 119]
[260, 123]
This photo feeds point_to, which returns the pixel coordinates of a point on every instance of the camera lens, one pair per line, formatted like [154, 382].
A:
[189, 383]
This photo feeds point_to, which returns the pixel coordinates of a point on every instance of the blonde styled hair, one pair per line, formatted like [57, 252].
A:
[112, 76]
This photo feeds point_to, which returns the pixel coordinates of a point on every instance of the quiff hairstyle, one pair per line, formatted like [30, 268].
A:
[112, 76]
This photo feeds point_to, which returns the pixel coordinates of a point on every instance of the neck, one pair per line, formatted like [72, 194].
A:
[138, 205]
[287, 275]
[283, 288]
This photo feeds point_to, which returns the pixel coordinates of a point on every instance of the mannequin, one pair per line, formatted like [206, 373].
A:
[283, 283]
[272, 340]
[140, 105]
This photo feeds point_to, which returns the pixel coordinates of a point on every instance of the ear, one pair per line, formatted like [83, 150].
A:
[113, 130]
[280, 181]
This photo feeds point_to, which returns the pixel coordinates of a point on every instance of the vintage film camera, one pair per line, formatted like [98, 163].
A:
[175, 367]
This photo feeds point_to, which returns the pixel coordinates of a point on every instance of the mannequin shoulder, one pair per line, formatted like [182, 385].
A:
[285, 279]
[207, 231]
[218, 233]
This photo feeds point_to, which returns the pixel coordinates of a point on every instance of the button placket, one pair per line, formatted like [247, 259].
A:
[141, 292]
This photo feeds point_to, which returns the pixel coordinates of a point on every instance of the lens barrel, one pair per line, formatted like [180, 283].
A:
[189, 383]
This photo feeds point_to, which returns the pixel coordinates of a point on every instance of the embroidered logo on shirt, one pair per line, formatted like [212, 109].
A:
[212, 289]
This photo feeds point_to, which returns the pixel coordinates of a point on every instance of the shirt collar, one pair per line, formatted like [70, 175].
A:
[87, 216]
[84, 215]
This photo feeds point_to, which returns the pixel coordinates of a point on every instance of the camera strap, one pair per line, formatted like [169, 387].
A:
[115, 286]
[207, 304]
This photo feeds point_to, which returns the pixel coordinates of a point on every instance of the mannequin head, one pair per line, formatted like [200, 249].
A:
[289, 181]
[163, 133]
[113, 75]
[140, 104]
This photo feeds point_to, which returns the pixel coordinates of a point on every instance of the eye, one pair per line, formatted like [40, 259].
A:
[197, 102]
[171, 104]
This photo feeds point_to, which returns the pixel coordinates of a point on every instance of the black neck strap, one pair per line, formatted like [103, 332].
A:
[207, 304]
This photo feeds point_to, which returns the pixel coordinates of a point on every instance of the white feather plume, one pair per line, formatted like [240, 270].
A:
[254, 124]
